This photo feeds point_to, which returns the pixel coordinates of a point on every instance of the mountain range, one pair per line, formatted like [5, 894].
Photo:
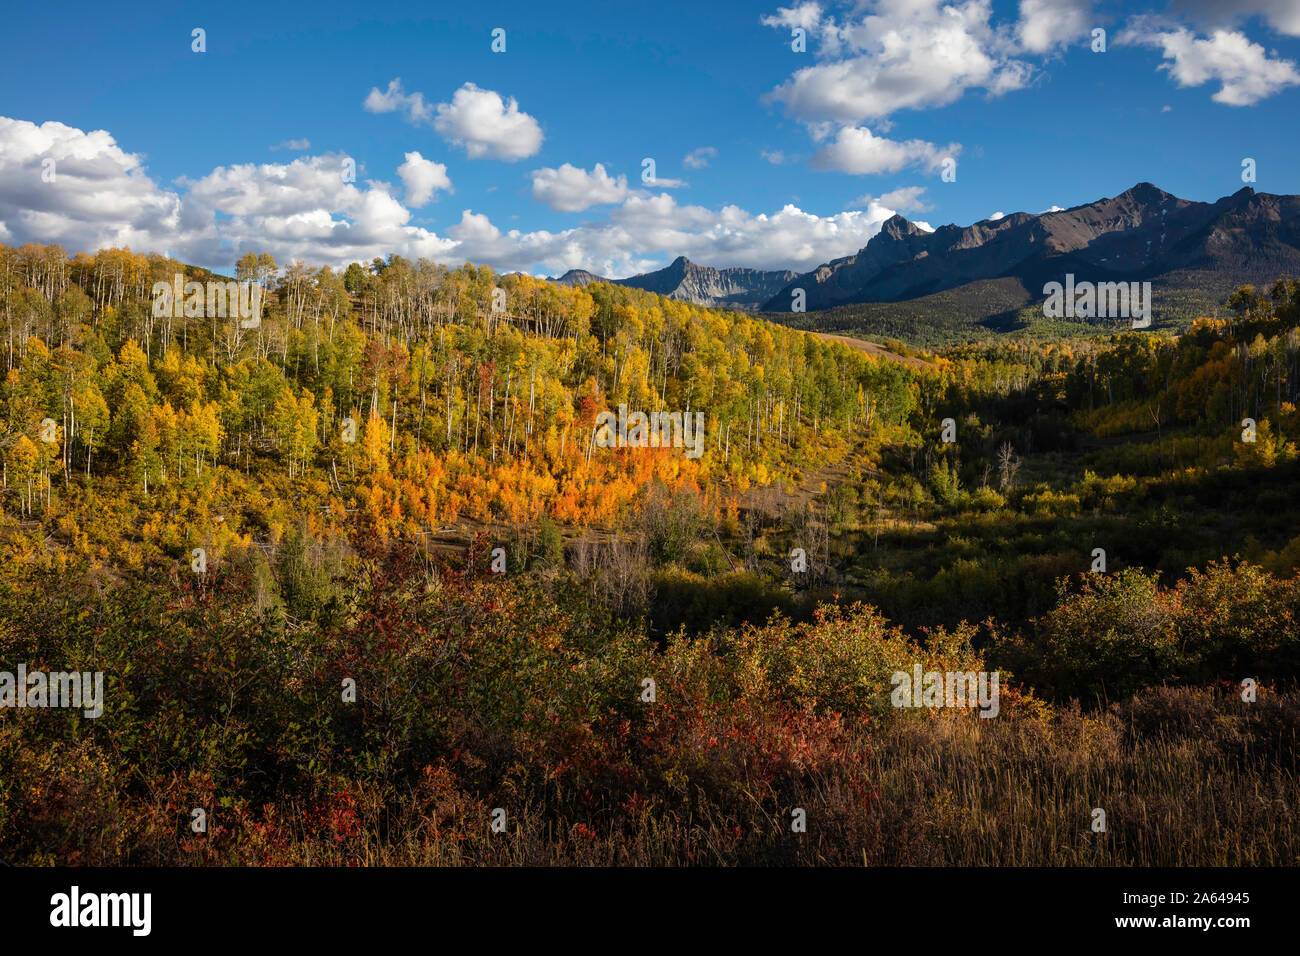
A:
[1143, 234]
[1193, 253]
[682, 279]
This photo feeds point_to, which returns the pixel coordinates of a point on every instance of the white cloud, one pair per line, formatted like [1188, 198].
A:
[304, 209]
[699, 158]
[646, 230]
[787, 239]
[904, 54]
[1047, 24]
[1052, 208]
[903, 199]
[422, 178]
[474, 228]
[1282, 15]
[570, 189]
[299, 210]
[807, 16]
[1243, 69]
[487, 126]
[293, 144]
[997, 215]
[482, 122]
[856, 150]
[100, 196]
[395, 100]
[774, 156]
[273, 189]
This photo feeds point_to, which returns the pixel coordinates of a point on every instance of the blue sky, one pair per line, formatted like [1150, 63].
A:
[800, 155]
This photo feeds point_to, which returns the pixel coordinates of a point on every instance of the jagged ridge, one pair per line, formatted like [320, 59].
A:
[702, 285]
[1144, 233]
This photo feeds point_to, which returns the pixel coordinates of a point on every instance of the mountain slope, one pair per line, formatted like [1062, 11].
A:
[700, 285]
[1142, 234]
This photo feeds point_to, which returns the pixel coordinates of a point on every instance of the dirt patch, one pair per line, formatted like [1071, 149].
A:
[772, 500]
[873, 349]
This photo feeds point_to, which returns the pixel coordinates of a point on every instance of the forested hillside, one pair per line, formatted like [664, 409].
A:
[464, 403]
[347, 468]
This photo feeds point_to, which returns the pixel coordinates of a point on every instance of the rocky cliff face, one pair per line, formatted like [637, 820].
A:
[703, 285]
[579, 277]
[1144, 233]
[1141, 233]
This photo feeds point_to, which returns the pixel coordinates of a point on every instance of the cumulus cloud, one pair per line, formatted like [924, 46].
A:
[570, 189]
[422, 179]
[855, 149]
[100, 195]
[903, 54]
[903, 199]
[487, 126]
[474, 228]
[308, 209]
[645, 231]
[1048, 24]
[293, 144]
[1244, 71]
[787, 239]
[1282, 15]
[699, 158]
[482, 122]
[395, 100]
[807, 16]
[305, 209]
[774, 156]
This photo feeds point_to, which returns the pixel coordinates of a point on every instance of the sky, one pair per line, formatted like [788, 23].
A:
[334, 132]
